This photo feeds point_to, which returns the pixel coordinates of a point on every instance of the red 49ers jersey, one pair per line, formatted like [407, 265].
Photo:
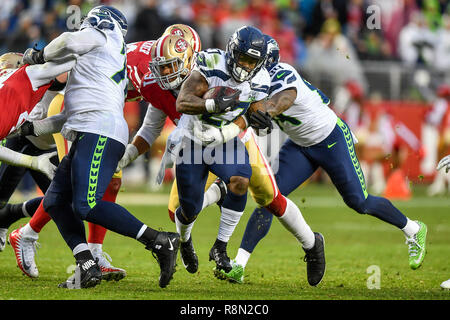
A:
[163, 100]
[17, 98]
[138, 59]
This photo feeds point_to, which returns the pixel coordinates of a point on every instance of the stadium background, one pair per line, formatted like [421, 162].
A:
[387, 82]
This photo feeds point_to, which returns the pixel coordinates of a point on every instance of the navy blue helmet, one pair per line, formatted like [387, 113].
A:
[103, 17]
[273, 52]
[246, 53]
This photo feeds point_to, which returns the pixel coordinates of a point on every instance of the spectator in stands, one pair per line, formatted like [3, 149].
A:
[417, 41]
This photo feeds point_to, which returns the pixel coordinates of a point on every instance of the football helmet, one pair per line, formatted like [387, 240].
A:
[185, 31]
[105, 17]
[172, 61]
[273, 52]
[246, 53]
[11, 60]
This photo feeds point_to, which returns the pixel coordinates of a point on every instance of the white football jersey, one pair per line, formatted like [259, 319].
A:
[211, 63]
[96, 89]
[309, 120]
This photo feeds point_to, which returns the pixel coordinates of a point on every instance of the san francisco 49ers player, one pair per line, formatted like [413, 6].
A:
[21, 88]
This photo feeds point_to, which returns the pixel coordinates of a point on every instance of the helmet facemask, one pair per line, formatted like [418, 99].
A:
[244, 66]
[174, 78]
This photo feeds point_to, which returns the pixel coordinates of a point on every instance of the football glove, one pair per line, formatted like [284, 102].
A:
[222, 103]
[260, 120]
[33, 56]
[211, 136]
[131, 153]
[43, 164]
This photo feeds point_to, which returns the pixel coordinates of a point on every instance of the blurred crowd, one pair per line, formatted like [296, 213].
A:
[413, 31]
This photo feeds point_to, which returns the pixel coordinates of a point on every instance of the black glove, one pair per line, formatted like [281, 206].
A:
[260, 120]
[26, 129]
[33, 56]
[226, 103]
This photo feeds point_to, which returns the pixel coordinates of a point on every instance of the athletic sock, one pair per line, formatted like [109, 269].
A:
[82, 252]
[183, 228]
[242, 257]
[293, 221]
[212, 195]
[40, 218]
[30, 206]
[10, 214]
[147, 236]
[411, 228]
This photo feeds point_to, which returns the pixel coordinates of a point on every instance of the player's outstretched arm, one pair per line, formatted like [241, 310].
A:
[39, 163]
[280, 102]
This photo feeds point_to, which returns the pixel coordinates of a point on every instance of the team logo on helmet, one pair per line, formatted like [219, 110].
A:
[181, 45]
[177, 32]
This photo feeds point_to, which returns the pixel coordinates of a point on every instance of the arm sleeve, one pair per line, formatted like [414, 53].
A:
[49, 125]
[42, 74]
[15, 158]
[153, 124]
[72, 44]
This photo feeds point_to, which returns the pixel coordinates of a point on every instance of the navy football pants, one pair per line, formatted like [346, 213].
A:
[336, 156]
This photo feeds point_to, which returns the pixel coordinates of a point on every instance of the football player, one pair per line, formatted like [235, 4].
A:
[21, 87]
[262, 183]
[24, 238]
[99, 133]
[317, 138]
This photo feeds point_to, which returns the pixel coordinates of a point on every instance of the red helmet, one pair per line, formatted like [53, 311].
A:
[443, 90]
[355, 89]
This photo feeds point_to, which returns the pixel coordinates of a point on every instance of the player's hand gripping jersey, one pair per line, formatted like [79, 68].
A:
[309, 120]
[211, 64]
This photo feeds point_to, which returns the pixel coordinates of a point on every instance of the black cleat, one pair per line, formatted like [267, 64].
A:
[223, 191]
[218, 253]
[188, 256]
[165, 249]
[315, 260]
[87, 275]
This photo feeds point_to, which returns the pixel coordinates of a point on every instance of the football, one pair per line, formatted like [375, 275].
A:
[215, 92]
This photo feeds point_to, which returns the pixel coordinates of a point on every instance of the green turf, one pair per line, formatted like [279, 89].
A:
[275, 271]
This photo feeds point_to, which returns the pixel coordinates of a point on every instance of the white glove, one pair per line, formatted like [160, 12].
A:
[42, 164]
[174, 144]
[131, 153]
[211, 136]
[445, 162]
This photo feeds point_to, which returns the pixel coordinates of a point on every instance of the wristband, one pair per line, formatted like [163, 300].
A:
[210, 105]
[230, 131]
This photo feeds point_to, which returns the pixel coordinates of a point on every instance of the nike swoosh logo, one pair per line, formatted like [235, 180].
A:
[170, 245]
[25, 265]
[81, 137]
[280, 75]
[226, 99]
[331, 145]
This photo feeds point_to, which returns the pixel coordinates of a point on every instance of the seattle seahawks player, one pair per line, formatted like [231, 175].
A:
[317, 138]
[239, 67]
[99, 133]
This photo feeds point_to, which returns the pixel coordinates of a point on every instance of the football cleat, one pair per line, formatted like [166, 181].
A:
[24, 249]
[223, 191]
[109, 272]
[417, 246]
[165, 249]
[87, 275]
[236, 275]
[219, 255]
[315, 260]
[3, 233]
[446, 285]
[188, 256]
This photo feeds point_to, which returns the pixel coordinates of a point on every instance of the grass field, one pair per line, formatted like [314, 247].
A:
[275, 271]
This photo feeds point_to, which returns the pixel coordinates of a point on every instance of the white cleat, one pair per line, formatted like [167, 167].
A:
[3, 233]
[446, 285]
[24, 249]
[109, 272]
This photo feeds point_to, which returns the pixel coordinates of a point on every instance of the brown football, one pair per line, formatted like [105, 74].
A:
[218, 91]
